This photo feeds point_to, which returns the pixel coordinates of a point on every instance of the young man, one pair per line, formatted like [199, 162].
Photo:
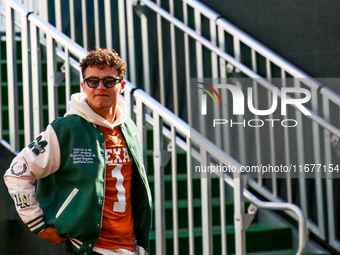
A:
[92, 190]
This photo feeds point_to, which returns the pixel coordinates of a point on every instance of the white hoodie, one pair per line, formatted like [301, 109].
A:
[79, 106]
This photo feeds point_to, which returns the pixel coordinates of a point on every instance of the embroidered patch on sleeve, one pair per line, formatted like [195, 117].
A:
[38, 145]
[24, 169]
[22, 200]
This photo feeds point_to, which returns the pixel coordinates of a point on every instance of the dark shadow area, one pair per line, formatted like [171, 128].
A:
[15, 237]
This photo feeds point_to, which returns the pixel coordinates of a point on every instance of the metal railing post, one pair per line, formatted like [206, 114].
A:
[36, 81]
[26, 82]
[199, 67]
[67, 77]
[240, 233]
[257, 130]
[84, 24]
[108, 24]
[128, 100]
[96, 23]
[301, 155]
[160, 57]
[131, 43]
[271, 97]
[140, 121]
[72, 20]
[43, 9]
[159, 185]
[190, 198]
[122, 30]
[223, 214]
[214, 74]
[187, 66]
[206, 205]
[12, 80]
[174, 190]
[51, 85]
[287, 148]
[223, 78]
[318, 175]
[145, 53]
[174, 60]
[58, 18]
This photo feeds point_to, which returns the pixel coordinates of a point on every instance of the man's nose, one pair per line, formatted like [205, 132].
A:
[101, 85]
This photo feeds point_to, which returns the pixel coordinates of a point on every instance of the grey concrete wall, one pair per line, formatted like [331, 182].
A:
[305, 32]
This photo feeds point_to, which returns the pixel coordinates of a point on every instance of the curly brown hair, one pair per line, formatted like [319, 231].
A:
[101, 58]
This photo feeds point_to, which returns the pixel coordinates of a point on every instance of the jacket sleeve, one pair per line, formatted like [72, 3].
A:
[38, 160]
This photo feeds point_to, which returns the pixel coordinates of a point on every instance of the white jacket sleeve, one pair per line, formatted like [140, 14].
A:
[38, 160]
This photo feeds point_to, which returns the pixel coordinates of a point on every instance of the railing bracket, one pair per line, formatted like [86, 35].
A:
[248, 218]
[336, 144]
[169, 147]
[164, 157]
[230, 68]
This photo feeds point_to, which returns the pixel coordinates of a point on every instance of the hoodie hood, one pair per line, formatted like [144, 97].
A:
[78, 106]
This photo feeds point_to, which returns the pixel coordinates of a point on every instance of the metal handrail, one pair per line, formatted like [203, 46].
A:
[77, 50]
[330, 94]
[231, 60]
[251, 42]
[280, 206]
[256, 47]
[180, 125]
[218, 154]
[36, 23]
[198, 5]
[263, 50]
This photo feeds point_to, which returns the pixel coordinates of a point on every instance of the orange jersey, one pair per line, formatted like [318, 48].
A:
[117, 224]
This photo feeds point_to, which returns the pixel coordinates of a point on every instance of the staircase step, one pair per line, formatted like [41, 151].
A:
[181, 163]
[258, 239]
[182, 189]
[197, 211]
[18, 62]
[197, 203]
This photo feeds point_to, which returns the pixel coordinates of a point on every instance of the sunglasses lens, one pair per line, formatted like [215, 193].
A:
[109, 83]
[93, 82]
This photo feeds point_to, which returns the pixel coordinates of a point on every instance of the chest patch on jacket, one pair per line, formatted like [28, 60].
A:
[82, 156]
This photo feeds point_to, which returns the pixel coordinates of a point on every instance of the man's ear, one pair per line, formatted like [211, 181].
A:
[122, 86]
[82, 86]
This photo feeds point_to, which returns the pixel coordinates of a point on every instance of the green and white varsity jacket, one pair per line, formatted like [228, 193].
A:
[68, 160]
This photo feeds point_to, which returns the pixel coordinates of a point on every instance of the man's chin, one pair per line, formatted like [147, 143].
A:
[101, 107]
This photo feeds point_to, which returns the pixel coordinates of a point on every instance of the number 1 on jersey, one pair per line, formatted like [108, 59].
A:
[121, 204]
